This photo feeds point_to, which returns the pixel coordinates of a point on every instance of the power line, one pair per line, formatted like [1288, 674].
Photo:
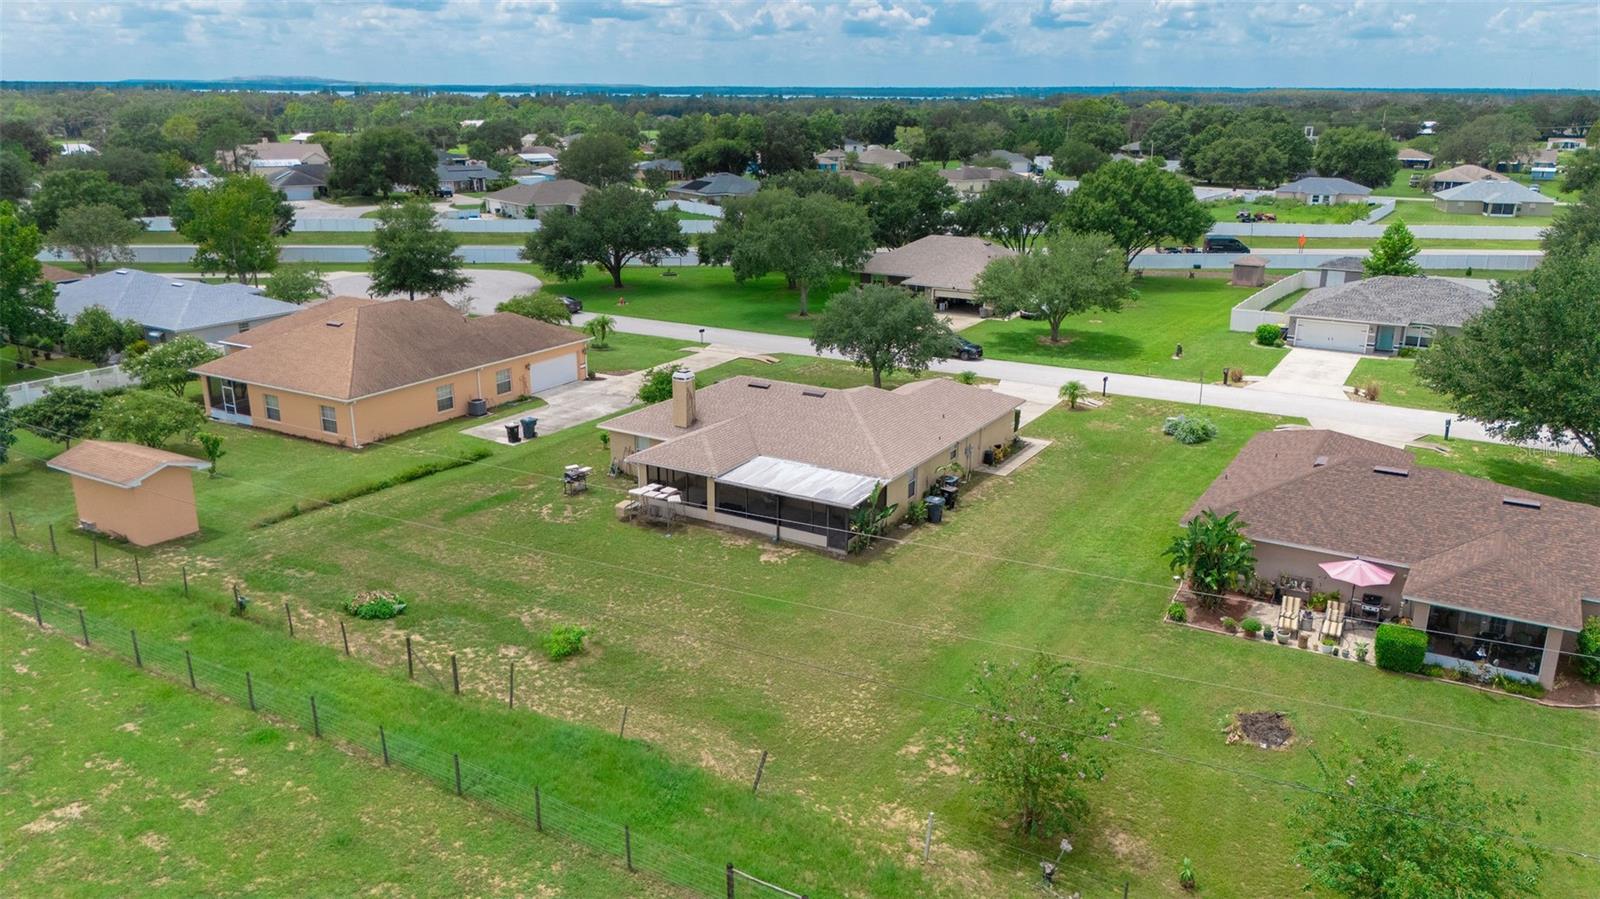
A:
[953, 635]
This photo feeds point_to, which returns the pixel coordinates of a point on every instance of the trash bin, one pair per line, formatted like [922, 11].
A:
[512, 434]
[935, 509]
[530, 427]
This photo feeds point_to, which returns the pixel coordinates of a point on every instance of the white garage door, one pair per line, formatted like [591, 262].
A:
[553, 372]
[1325, 335]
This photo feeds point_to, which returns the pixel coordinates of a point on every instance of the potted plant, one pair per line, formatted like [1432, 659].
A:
[1229, 625]
[1284, 635]
[1361, 650]
[1251, 627]
[1330, 646]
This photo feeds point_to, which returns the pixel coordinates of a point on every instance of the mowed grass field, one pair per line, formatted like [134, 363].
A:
[119, 783]
[849, 672]
[701, 295]
[1141, 339]
[1398, 384]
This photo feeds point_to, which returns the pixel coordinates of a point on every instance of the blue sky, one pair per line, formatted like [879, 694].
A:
[1366, 43]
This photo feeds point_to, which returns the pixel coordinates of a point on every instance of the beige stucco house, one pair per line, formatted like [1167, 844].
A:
[1495, 576]
[533, 200]
[792, 461]
[1462, 174]
[1318, 191]
[354, 370]
[943, 267]
[132, 492]
[1506, 199]
[971, 180]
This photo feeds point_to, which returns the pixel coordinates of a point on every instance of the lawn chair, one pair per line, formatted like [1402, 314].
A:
[1333, 622]
[1289, 617]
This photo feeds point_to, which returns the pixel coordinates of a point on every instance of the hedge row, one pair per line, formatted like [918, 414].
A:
[1400, 648]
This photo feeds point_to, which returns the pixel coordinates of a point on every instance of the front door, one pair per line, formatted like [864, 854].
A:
[1385, 342]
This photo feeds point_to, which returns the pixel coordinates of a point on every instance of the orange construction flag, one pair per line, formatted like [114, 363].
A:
[1302, 241]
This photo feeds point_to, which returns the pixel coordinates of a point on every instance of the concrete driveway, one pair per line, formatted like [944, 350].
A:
[1305, 372]
[489, 287]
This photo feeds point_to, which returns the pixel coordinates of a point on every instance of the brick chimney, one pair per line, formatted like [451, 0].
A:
[682, 398]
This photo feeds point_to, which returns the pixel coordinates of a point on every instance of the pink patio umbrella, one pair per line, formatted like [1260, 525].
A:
[1358, 573]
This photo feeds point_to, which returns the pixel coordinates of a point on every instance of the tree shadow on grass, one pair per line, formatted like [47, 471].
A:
[1078, 346]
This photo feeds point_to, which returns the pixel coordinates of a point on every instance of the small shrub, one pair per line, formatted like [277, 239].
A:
[1251, 625]
[1400, 648]
[1186, 875]
[1229, 625]
[1190, 430]
[1587, 662]
[1329, 641]
[1372, 390]
[1406, 352]
[1362, 647]
[967, 377]
[917, 512]
[1176, 612]
[136, 349]
[1072, 391]
[564, 640]
[1269, 334]
[1319, 601]
[1518, 686]
[375, 605]
[1236, 375]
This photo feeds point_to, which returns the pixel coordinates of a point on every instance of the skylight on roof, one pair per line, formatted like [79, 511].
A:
[1521, 502]
[759, 385]
[816, 393]
[1392, 472]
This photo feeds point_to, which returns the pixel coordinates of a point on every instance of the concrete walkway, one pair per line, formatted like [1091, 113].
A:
[1396, 423]
[585, 401]
[1308, 372]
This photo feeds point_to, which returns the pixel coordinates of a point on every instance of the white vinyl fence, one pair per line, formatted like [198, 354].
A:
[96, 379]
[1252, 311]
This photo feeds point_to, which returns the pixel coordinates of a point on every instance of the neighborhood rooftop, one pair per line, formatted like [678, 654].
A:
[1325, 186]
[862, 431]
[352, 347]
[721, 184]
[165, 302]
[1493, 192]
[1468, 542]
[561, 192]
[123, 465]
[1394, 300]
[938, 261]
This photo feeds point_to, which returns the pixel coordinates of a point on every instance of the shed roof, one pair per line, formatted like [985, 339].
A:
[1344, 264]
[125, 465]
[1393, 300]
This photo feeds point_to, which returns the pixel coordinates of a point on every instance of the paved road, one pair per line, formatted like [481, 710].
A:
[1389, 424]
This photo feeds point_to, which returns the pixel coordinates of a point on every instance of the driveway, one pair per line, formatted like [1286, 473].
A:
[1307, 372]
[585, 401]
[489, 288]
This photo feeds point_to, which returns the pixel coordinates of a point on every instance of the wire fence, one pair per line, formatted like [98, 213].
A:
[324, 719]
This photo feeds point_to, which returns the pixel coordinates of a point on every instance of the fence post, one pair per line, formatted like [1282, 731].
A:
[730, 880]
[511, 687]
[623, 727]
[12, 515]
[250, 690]
[383, 741]
[83, 626]
[94, 544]
[138, 660]
[189, 661]
[1124, 889]
[927, 839]
[316, 723]
[53, 550]
[457, 757]
[627, 845]
[185, 582]
[455, 674]
[760, 766]
[411, 671]
[289, 617]
[37, 615]
[138, 573]
[538, 810]
[345, 637]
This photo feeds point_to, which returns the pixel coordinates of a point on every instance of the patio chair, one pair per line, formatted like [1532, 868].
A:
[1333, 622]
[1289, 617]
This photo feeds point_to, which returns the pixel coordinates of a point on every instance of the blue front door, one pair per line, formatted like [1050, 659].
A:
[1385, 342]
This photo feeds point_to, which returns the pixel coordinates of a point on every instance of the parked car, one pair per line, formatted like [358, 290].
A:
[573, 304]
[1225, 245]
[966, 350]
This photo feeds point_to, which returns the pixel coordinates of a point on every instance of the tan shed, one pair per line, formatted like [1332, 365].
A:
[143, 495]
[1249, 271]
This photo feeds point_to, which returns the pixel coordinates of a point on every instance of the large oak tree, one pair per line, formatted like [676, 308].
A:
[1138, 205]
[614, 226]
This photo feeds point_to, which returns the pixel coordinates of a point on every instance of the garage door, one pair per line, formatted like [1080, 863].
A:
[553, 372]
[1325, 335]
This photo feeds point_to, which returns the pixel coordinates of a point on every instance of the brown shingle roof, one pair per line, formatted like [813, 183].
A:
[862, 430]
[119, 464]
[977, 173]
[1464, 173]
[938, 261]
[1464, 545]
[352, 347]
[560, 192]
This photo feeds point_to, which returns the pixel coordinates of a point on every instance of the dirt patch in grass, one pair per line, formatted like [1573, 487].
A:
[1269, 730]
[1235, 607]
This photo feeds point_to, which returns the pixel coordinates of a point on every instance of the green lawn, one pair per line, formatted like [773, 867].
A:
[1562, 475]
[139, 786]
[1413, 214]
[1400, 184]
[722, 646]
[339, 238]
[1397, 382]
[701, 295]
[1282, 304]
[36, 367]
[1288, 211]
[632, 352]
[1141, 338]
[1361, 244]
[683, 216]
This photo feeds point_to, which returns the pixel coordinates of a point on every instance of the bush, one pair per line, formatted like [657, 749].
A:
[1406, 352]
[1269, 334]
[1176, 612]
[1236, 374]
[375, 605]
[1400, 648]
[657, 384]
[1372, 390]
[1251, 625]
[1587, 662]
[967, 377]
[564, 640]
[1189, 430]
[917, 512]
[1518, 686]
[1229, 625]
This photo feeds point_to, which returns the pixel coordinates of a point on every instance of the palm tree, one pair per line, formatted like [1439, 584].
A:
[1072, 391]
[600, 328]
[1213, 555]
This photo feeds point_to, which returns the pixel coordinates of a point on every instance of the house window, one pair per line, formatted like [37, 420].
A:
[273, 414]
[952, 452]
[1419, 337]
[444, 397]
[243, 327]
[330, 420]
[502, 381]
[1511, 646]
[1502, 209]
[691, 486]
[911, 484]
